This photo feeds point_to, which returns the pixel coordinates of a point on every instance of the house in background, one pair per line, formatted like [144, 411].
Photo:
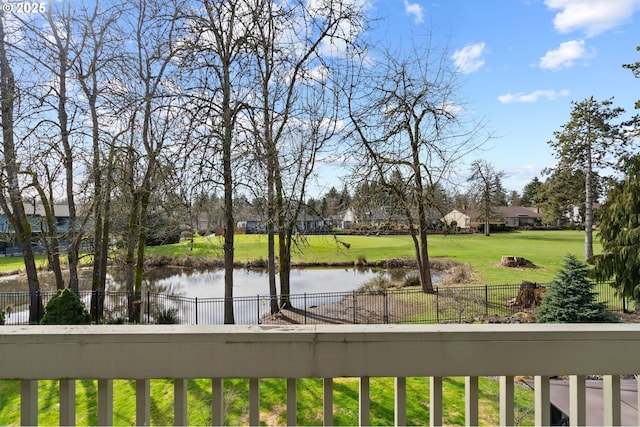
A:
[461, 218]
[310, 223]
[37, 218]
[506, 216]
[348, 219]
[251, 226]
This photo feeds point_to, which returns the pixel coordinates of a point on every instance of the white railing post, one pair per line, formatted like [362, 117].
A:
[180, 402]
[365, 402]
[67, 402]
[254, 401]
[577, 400]
[327, 401]
[506, 401]
[29, 402]
[435, 401]
[143, 402]
[543, 400]
[471, 401]
[105, 402]
[400, 401]
[292, 402]
[217, 401]
[611, 396]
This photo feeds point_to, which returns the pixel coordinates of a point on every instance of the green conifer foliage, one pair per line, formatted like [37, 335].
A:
[569, 298]
[65, 308]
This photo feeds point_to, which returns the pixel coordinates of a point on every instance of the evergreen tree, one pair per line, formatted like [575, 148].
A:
[586, 143]
[532, 193]
[65, 308]
[569, 297]
[620, 233]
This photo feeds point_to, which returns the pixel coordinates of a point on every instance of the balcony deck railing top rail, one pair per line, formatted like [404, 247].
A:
[177, 351]
[323, 351]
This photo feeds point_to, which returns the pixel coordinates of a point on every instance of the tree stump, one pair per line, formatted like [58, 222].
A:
[529, 295]
[516, 262]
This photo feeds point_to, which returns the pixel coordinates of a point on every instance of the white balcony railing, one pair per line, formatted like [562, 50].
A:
[142, 353]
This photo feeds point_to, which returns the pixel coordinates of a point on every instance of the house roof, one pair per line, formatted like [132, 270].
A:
[61, 209]
[517, 212]
[504, 212]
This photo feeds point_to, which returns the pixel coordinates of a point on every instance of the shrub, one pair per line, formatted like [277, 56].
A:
[65, 308]
[378, 284]
[167, 316]
[412, 279]
[569, 298]
[2, 317]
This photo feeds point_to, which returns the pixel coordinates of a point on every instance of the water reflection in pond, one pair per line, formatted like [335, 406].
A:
[197, 295]
[210, 283]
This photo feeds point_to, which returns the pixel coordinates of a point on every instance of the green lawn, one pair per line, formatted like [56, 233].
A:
[13, 264]
[272, 398]
[546, 249]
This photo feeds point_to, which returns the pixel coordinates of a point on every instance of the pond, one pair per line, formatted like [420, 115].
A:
[198, 295]
[209, 283]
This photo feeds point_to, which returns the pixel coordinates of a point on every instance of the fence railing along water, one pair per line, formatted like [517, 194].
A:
[443, 305]
[446, 304]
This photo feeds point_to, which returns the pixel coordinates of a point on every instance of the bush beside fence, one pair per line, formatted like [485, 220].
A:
[446, 304]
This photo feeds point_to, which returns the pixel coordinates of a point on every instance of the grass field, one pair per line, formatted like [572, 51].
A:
[546, 249]
[272, 396]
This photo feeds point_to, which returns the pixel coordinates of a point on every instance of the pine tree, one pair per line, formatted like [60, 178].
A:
[569, 297]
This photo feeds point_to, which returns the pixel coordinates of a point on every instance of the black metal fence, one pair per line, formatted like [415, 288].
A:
[443, 305]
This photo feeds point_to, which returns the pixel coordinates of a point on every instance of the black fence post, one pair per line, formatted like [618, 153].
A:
[258, 305]
[305, 308]
[486, 300]
[437, 306]
[148, 307]
[354, 308]
[196, 301]
[386, 306]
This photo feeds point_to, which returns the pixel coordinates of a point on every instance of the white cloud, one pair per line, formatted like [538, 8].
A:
[591, 16]
[414, 9]
[469, 58]
[564, 56]
[532, 97]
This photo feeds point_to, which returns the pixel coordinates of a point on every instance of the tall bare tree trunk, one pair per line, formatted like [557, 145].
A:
[52, 245]
[16, 213]
[229, 232]
[271, 251]
[588, 208]
[72, 234]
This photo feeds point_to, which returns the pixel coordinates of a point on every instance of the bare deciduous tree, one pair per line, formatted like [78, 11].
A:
[216, 52]
[410, 133]
[11, 195]
[298, 52]
[486, 183]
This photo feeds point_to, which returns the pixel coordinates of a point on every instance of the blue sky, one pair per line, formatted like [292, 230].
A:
[524, 61]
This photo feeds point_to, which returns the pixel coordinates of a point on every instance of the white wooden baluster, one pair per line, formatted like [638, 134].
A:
[180, 402]
[327, 401]
[471, 401]
[400, 401]
[577, 400]
[67, 402]
[506, 401]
